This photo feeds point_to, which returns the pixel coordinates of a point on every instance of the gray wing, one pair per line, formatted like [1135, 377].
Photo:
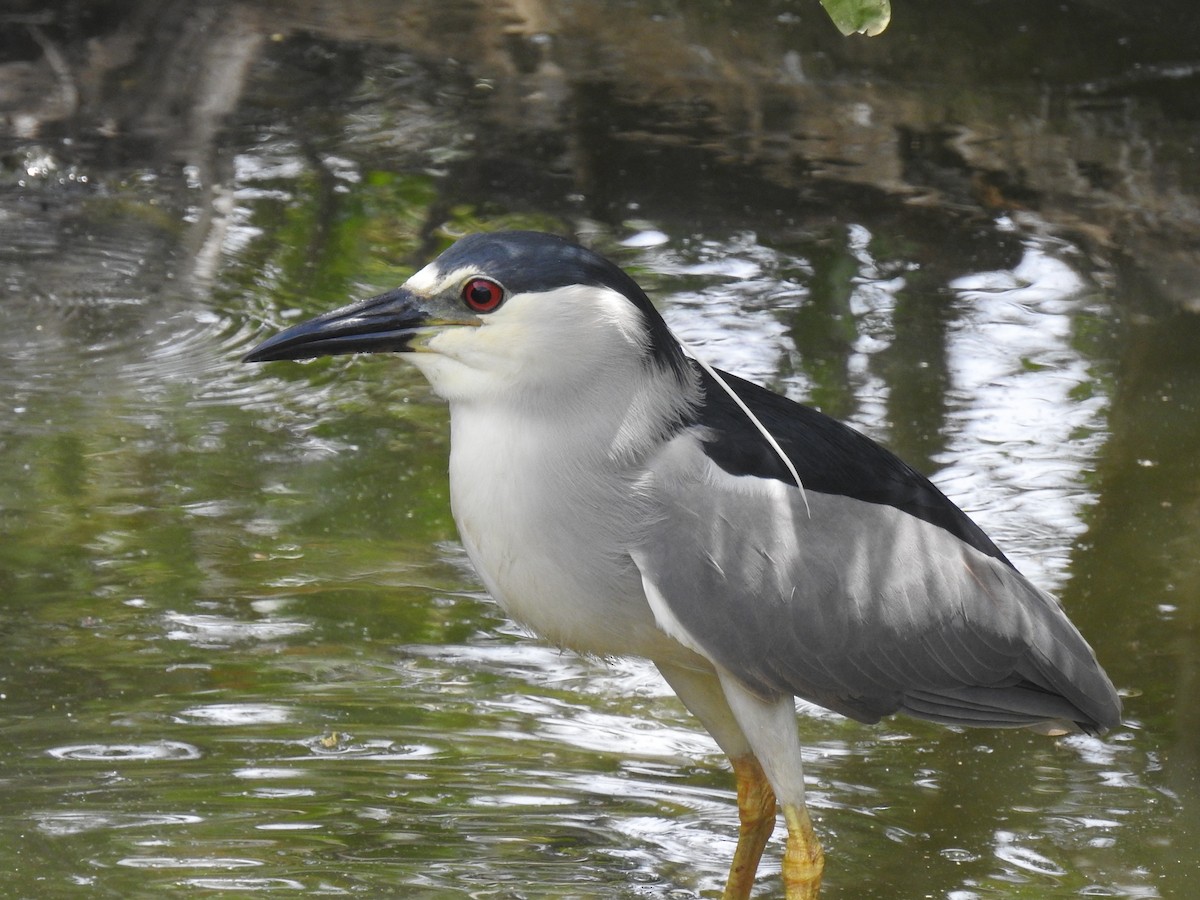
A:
[857, 606]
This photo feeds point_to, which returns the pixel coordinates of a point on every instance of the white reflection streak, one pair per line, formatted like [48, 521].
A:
[750, 344]
[1020, 436]
[732, 321]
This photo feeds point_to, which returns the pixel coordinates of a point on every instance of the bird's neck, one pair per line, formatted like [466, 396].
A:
[610, 422]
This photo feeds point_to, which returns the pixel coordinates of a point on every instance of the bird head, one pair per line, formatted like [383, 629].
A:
[511, 314]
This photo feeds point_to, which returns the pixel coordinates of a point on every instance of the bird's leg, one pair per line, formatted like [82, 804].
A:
[701, 692]
[803, 860]
[756, 814]
[769, 724]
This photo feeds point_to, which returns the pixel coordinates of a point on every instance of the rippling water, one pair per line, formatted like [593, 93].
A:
[243, 651]
[271, 670]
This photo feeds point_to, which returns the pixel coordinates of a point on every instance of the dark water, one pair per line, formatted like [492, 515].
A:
[240, 648]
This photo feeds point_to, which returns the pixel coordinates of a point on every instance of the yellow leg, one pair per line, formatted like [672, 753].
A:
[803, 860]
[756, 814]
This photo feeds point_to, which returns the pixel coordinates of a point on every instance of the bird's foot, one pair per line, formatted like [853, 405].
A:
[803, 859]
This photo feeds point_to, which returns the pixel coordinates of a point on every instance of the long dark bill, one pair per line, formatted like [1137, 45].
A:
[383, 324]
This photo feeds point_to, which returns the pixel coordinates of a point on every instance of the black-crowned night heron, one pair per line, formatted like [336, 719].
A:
[621, 498]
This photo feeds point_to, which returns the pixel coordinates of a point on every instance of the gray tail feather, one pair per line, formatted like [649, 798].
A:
[1059, 686]
[1019, 706]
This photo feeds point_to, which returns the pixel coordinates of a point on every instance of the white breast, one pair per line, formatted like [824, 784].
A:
[549, 533]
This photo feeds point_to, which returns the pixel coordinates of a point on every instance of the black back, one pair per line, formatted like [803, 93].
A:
[830, 458]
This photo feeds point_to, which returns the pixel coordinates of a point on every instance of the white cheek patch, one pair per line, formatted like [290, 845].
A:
[555, 340]
[559, 334]
[562, 316]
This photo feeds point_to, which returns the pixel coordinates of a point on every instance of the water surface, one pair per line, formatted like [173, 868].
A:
[242, 650]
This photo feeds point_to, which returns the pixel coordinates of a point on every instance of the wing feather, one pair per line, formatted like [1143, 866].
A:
[859, 606]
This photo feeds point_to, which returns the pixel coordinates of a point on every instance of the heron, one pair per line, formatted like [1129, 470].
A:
[620, 497]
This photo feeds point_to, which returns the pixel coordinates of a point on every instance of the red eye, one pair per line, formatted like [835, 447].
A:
[482, 295]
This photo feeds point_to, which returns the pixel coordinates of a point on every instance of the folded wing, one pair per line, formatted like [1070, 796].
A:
[870, 594]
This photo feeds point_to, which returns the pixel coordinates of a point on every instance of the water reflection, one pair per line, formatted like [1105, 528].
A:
[126, 752]
[241, 648]
[220, 631]
[356, 704]
[1027, 409]
[239, 714]
[66, 823]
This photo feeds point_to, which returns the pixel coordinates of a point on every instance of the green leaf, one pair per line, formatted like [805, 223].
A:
[868, 17]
